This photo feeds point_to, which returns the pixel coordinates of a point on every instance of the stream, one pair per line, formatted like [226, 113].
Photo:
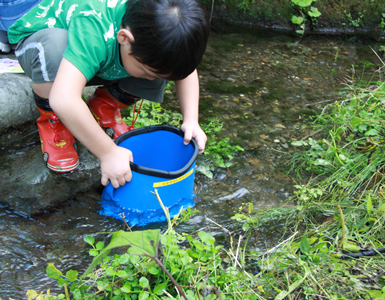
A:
[263, 87]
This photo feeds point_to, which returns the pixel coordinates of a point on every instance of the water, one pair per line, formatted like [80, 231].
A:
[263, 88]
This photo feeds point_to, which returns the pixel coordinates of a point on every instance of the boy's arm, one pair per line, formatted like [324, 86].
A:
[65, 100]
[188, 94]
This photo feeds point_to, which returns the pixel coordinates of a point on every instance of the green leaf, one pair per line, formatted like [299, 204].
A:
[89, 239]
[61, 282]
[206, 238]
[153, 270]
[371, 132]
[245, 226]
[139, 243]
[72, 275]
[93, 252]
[99, 246]
[302, 3]
[314, 12]
[304, 246]
[52, 272]
[158, 290]
[296, 20]
[144, 283]
[143, 295]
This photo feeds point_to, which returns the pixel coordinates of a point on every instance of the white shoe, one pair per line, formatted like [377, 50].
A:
[5, 47]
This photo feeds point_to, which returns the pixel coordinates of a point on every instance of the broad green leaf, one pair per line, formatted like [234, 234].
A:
[314, 12]
[349, 246]
[297, 20]
[153, 270]
[303, 3]
[143, 295]
[356, 121]
[206, 238]
[158, 290]
[61, 282]
[245, 226]
[371, 132]
[93, 252]
[52, 272]
[144, 283]
[89, 239]
[99, 245]
[139, 243]
[304, 246]
[72, 275]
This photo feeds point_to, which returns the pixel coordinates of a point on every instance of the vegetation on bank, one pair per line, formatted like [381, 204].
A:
[343, 15]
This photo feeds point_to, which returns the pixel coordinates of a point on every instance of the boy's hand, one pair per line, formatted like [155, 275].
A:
[115, 166]
[193, 130]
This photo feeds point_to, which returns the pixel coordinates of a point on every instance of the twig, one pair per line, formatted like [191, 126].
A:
[274, 248]
[168, 274]
[167, 294]
[225, 229]
[124, 220]
[311, 134]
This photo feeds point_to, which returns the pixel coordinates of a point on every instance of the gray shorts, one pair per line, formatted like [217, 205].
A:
[40, 55]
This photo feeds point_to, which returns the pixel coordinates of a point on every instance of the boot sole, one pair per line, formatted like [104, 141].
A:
[66, 169]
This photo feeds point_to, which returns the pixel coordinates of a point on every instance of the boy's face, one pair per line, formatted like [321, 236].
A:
[132, 66]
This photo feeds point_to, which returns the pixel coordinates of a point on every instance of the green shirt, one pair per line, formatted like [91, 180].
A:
[92, 27]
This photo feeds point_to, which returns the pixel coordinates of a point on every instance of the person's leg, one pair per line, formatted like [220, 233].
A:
[107, 101]
[40, 55]
[5, 47]
[105, 105]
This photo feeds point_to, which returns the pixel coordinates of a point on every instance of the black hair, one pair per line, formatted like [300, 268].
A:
[170, 36]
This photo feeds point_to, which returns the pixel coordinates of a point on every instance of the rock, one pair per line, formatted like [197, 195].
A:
[237, 194]
[27, 185]
[16, 100]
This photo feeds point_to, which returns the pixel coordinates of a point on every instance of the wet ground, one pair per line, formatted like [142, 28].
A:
[263, 88]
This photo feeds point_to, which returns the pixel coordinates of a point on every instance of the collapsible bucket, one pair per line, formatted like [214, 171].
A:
[162, 162]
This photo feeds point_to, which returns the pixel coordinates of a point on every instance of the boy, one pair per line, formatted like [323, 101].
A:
[132, 48]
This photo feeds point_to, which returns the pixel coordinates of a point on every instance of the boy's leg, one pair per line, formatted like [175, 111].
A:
[107, 101]
[40, 55]
[5, 47]
[105, 105]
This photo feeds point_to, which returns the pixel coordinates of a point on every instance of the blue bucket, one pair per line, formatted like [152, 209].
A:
[162, 162]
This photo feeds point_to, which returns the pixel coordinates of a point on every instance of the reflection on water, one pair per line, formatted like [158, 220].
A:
[262, 88]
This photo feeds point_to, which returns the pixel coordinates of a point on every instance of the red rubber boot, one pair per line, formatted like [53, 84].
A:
[57, 143]
[106, 110]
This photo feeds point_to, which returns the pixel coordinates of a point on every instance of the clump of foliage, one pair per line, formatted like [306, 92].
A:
[340, 212]
[151, 265]
[219, 152]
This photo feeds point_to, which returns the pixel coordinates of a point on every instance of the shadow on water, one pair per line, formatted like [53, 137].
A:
[262, 88]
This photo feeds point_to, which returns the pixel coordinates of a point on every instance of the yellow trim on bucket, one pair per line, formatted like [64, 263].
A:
[169, 182]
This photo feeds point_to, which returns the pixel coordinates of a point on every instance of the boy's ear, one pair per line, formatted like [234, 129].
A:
[125, 36]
